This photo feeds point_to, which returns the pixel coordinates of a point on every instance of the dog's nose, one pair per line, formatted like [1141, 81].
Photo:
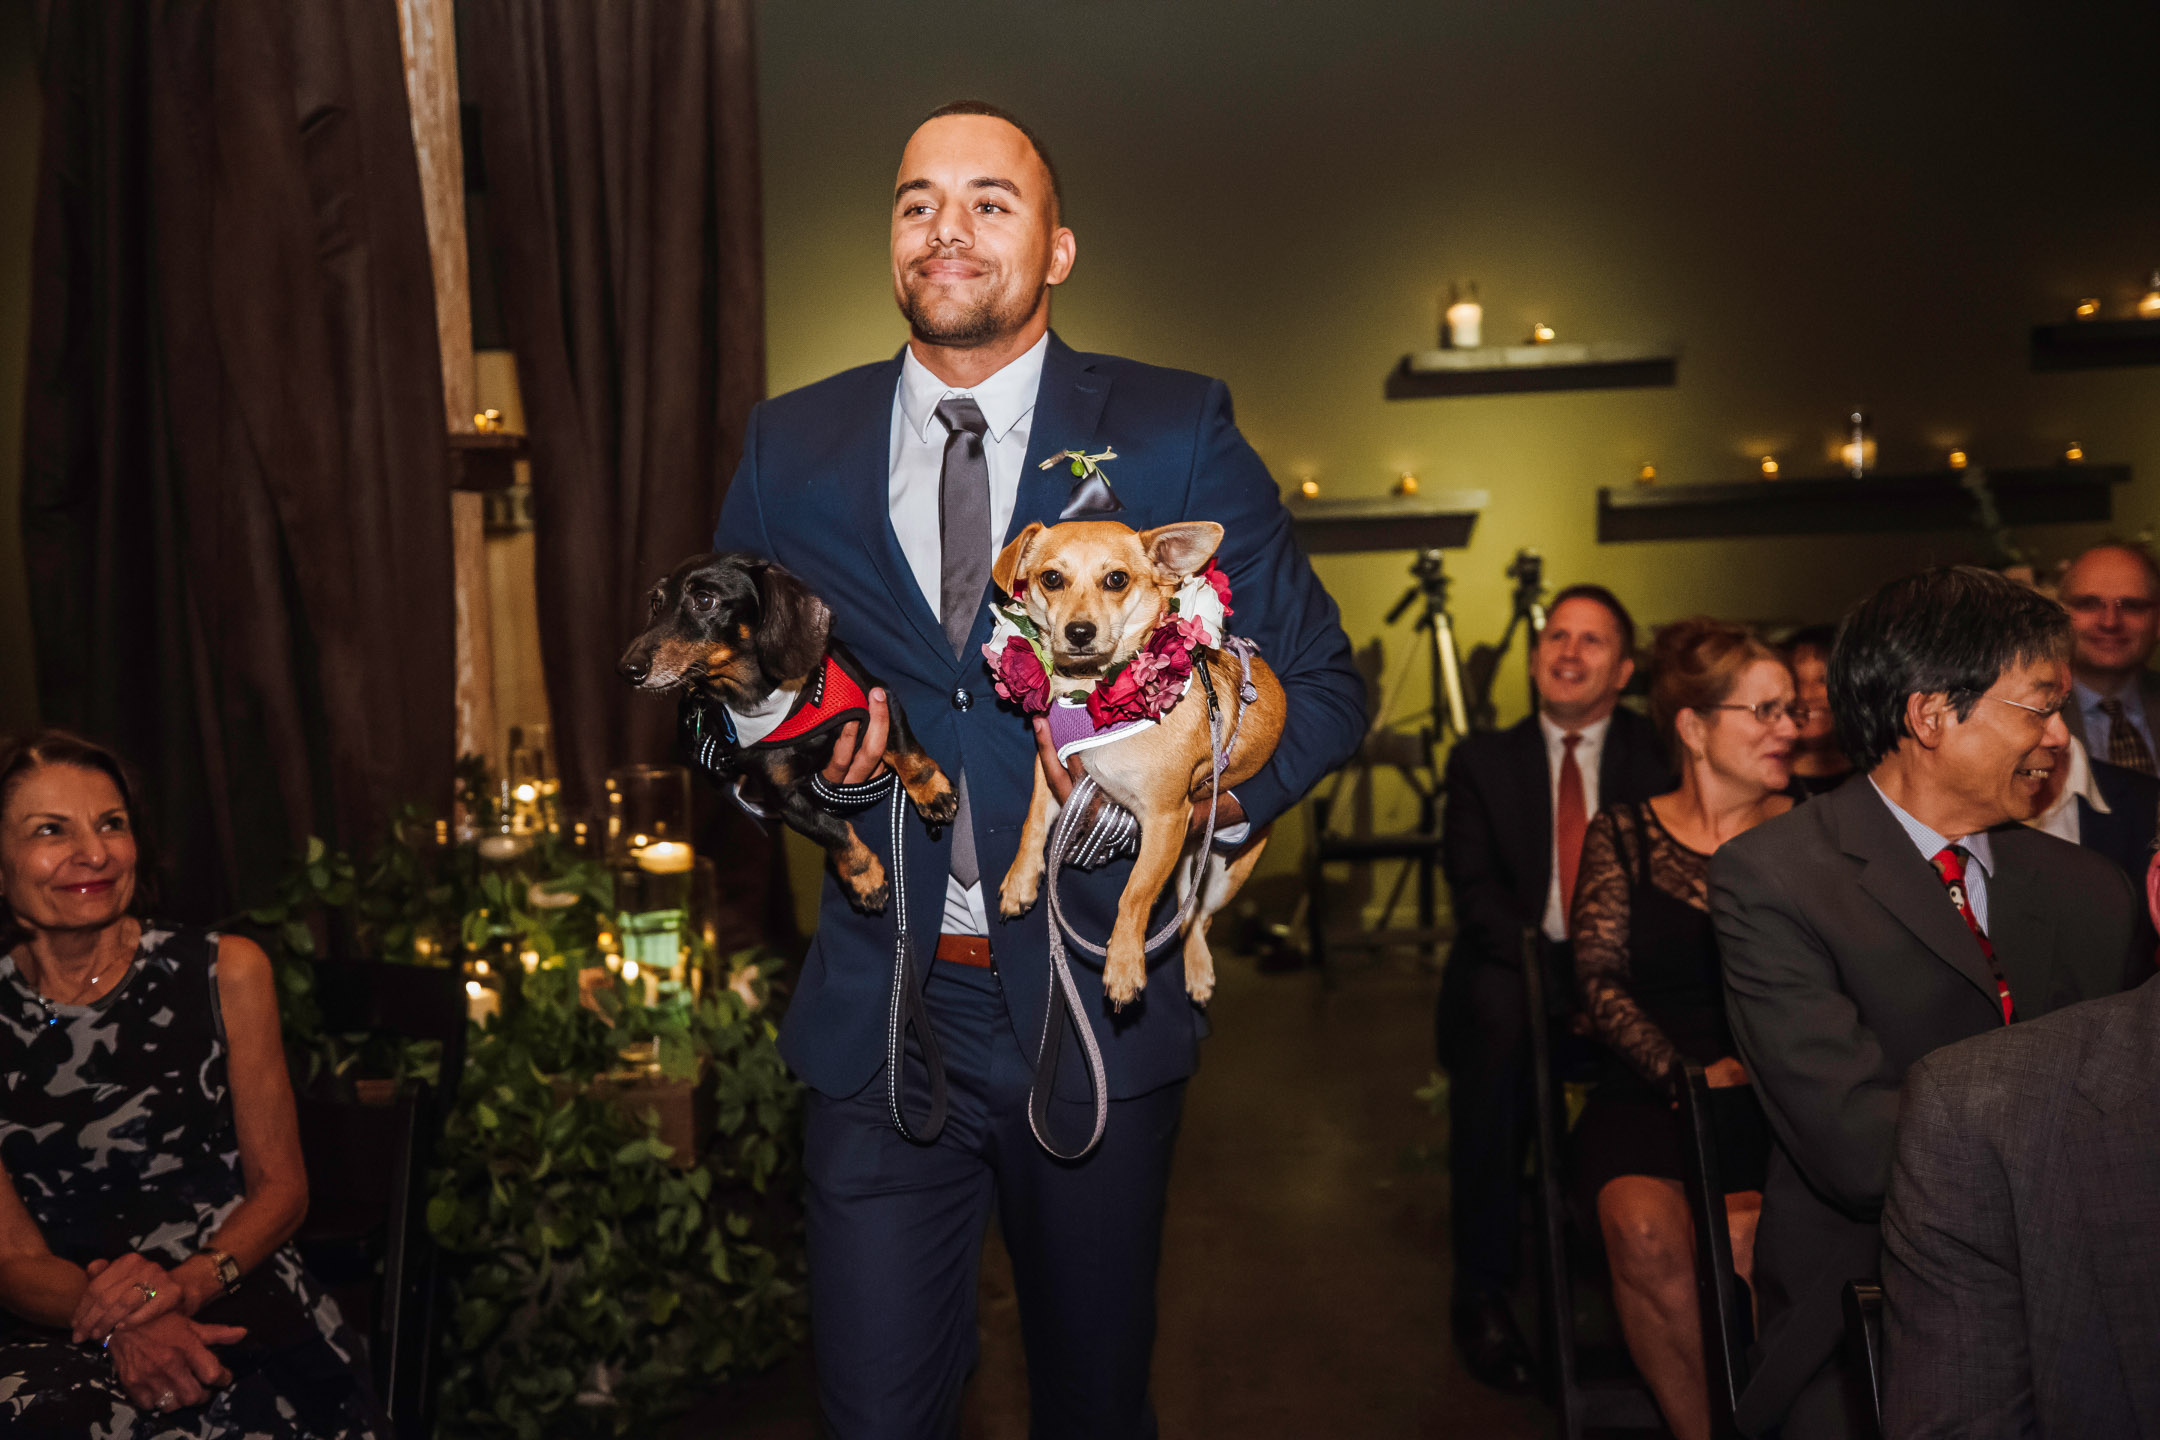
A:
[634, 669]
[1079, 634]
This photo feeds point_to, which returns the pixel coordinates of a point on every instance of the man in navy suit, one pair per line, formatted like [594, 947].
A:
[889, 489]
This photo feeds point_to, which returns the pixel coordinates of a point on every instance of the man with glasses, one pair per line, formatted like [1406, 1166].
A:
[2112, 592]
[1885, 920]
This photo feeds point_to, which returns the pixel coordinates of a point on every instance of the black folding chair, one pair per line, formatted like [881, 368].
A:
[1592, 1397]
[365, 1237]
[1863, 1347]
[1728, 1326]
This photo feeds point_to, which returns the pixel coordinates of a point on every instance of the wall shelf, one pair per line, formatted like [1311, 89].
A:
[1839, 505]
[2095, 344]
[1526, 369]
[1438, 520]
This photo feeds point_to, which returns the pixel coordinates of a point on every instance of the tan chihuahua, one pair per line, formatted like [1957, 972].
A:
[1097, 589]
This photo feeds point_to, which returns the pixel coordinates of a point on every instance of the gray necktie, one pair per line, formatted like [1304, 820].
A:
[964, 529]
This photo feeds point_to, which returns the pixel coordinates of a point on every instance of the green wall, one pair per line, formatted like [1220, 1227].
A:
[1821, 204]
[19, 106]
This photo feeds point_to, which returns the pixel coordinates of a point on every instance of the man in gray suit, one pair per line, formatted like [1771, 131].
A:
[2021, 1239]
[2112, 592]
[1896, 915]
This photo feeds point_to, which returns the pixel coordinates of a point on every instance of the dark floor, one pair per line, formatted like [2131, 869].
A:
[1305, 1270]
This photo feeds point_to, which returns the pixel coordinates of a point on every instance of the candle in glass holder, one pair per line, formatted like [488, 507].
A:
[1465, 321]
[2149, 303]
[652, 904]
[481, 1003]
[1857, 454]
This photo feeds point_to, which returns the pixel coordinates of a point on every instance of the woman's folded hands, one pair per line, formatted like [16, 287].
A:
[166, 1363]
[131, 1290]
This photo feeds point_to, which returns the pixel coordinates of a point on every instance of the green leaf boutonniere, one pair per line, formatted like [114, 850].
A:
[1084, 466]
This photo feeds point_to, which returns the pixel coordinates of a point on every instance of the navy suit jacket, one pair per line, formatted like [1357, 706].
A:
[811, 493]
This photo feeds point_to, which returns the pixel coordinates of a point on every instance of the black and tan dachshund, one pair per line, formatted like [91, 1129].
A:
[766, 691]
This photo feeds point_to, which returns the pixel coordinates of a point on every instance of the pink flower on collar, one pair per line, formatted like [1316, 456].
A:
[1220, 584]
[1018, 675]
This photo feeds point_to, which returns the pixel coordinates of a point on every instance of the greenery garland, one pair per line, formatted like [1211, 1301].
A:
[593, 1284]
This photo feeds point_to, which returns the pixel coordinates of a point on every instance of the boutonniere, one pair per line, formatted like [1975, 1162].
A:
[1092, 494]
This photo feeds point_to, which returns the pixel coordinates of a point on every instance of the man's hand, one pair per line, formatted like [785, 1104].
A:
[859, 764]
[1062, 776]
[1725, 1072]
[167, 1365]
[130, 1290]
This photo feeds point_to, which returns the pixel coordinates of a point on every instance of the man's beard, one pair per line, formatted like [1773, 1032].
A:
[976, 324]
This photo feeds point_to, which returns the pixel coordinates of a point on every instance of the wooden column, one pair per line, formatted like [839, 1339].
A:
[427, 35]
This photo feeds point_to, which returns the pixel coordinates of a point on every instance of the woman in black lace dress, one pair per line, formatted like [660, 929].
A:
[150, 1167]
[1647, 964]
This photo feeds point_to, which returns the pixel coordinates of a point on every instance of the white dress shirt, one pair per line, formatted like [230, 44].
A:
[1588, 750]
[1007, 402]
[1931, 844]
[2061, 818]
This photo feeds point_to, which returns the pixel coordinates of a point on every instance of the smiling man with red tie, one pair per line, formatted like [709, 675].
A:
[1518, 802]
[1898, 914]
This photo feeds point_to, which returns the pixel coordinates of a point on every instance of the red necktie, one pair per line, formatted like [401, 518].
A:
[1950, 865]
[1570, 819]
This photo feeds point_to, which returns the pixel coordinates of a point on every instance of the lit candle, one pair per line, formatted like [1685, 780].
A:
[1958, 460]
[1541, 334]
[1769, 467]
[2149, 302]
[1857, 454]
[1310, 489]
[1466, 322]
[2075, 455]
[665, 857]
[481, 1003]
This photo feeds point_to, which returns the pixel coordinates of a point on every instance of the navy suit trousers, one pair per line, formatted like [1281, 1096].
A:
[896, 1232]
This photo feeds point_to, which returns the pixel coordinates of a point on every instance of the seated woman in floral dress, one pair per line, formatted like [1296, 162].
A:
[150, 1169]
[1646, 961]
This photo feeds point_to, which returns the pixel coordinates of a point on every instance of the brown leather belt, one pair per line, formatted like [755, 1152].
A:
[965, 950]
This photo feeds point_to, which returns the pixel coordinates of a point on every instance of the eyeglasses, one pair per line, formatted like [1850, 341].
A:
[2045, 712]
[2131, 608]
[1769, 712]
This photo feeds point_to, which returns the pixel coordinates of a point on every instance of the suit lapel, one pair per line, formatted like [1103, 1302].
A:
[1902, 882]
[2115, 1147]
[2021, 922]
[1068, 407]
[869, 469]
[1534, 766]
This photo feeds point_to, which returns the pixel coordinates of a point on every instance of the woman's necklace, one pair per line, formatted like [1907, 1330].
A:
[82, 996]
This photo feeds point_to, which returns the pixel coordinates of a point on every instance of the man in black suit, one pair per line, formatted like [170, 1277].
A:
[1513, 830]
[2112, 592]
[2021, 1238]
[1896, 915]
[2102, 807]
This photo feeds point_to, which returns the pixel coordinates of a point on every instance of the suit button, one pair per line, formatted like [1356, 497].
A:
[961, 700]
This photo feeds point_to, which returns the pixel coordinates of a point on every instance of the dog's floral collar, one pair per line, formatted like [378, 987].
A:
[1143, 687]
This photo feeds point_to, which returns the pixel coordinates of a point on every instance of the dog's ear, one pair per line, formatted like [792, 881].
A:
[1008, 567]
[793, 625]
[1183, 548]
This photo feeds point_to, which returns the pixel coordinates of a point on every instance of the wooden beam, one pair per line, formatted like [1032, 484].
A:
[428, 37]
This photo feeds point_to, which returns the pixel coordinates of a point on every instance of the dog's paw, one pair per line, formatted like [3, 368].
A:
[1124, 972]
[1018, 894]
[1200, 987]
[940, 805]
[862, 877]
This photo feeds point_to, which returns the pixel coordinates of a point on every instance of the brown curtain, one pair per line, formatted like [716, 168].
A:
[620, 143]
[621, 160]
[235, 472]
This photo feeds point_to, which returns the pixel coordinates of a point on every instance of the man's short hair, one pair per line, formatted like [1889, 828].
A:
[1949, 631]
[2135, 551]
[1610, 601]
[999, 112]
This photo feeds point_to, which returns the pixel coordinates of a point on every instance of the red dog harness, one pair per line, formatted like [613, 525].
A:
[835, 694]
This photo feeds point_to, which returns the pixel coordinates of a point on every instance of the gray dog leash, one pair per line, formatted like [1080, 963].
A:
[1064, 1008]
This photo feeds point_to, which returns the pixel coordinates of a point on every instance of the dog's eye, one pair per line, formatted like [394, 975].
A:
[701, 601]
[1115, 580]
[1051, 580]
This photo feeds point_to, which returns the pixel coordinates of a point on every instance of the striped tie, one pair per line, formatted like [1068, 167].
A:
[2126, 747]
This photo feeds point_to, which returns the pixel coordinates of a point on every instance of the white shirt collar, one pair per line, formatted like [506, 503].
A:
[2080, 781]
[1931, 844]
[1593, 734]
[1005, 398]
